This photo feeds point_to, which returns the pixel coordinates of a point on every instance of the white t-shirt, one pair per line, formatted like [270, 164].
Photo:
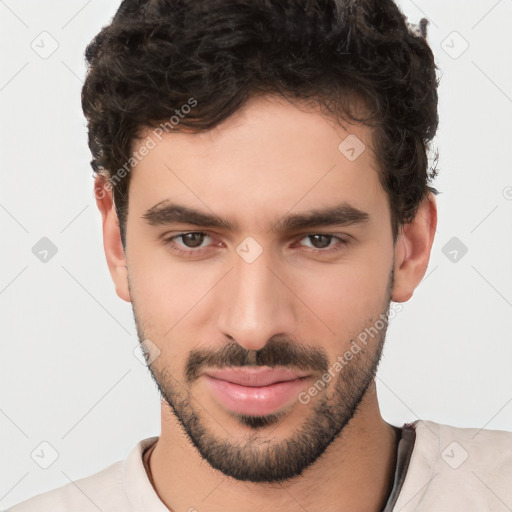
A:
[449, 469]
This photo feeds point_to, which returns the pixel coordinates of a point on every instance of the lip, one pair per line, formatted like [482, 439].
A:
[255, 377]
[255, 391]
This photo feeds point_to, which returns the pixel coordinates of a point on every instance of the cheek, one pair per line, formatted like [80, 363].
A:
[164, 300]
[344, 294]
[346, 299]
[167, 293]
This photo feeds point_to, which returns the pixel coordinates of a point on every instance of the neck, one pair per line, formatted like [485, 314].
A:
[354, 473]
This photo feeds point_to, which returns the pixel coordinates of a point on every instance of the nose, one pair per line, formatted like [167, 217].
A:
[255, 303]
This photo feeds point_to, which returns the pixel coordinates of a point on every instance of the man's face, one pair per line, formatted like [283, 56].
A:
[261, 292]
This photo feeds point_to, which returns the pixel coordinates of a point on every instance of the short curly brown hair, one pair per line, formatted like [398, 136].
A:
[158, 55]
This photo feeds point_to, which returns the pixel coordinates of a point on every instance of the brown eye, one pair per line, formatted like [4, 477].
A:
[320, 241]
[191, 244]
[192, 240]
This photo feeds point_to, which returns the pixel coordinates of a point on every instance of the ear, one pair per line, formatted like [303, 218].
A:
[412, 250]
[112, 244]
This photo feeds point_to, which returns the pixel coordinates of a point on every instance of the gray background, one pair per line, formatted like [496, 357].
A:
[69, 376]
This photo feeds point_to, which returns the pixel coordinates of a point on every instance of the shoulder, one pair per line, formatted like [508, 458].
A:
[115, 488]
[82, 495]
[457, 447]
[458, 468]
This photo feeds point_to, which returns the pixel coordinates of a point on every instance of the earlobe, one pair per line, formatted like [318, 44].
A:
[114, 250]
[412, 250]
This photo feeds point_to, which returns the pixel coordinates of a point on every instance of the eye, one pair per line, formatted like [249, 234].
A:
[192, 240]
[320, 242]
[188, 243]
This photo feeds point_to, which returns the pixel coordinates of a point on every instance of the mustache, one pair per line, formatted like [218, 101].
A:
[277, 352]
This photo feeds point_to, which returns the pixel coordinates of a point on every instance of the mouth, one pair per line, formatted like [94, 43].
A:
[255, 391]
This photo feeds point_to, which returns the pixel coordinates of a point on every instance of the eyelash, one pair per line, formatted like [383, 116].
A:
[182, 252]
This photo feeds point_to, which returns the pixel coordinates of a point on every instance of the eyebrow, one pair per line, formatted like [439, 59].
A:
[343, 214]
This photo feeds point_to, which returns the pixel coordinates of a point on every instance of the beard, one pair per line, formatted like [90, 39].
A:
[256, 459]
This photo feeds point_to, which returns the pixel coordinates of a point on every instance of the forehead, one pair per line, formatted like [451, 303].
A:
[270, 157]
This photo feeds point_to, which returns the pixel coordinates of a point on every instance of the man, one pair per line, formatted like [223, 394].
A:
[263, 180]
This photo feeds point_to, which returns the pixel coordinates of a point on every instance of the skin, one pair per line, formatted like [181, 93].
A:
[269, 160]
